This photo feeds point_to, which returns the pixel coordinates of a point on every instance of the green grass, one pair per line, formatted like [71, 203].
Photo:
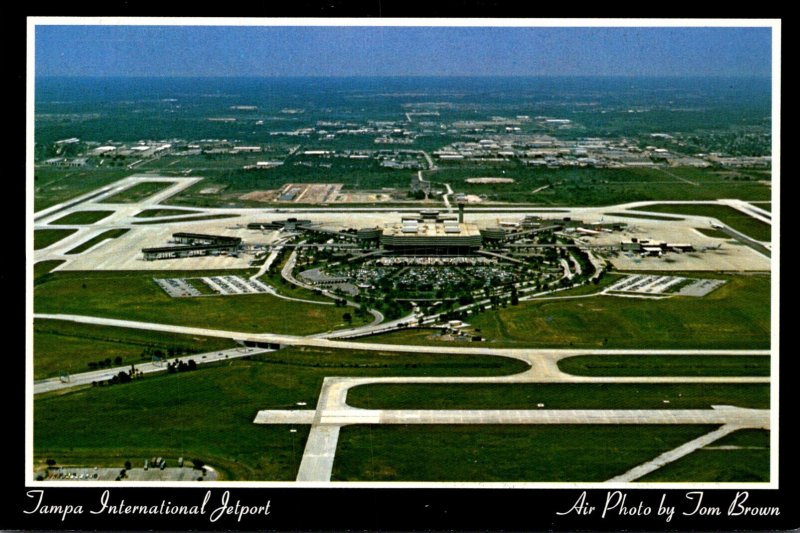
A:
[82, 217]
[274, 279]
[185, 219]
[42, 238]
[110, 234]
[138, 192]
[55, 185]
[428, 336]
[42, 268]
[750, 463]
[132, 295]
[666, 365]
[558, 396]
[201, 286]
[714, 233]
[420, 336]
[766, 206]
[150, 213]
[727, 215]
[597, 186]
[556, 453]
[61, 346]
[209, 413]
[566, 186]
[588, 288]
[736, 315]
[636, 215]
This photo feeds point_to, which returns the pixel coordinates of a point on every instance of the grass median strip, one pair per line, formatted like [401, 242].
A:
[151, 213]
[138, 192]
[558, 396]
[42, 238]
[110, 234]
[713, 233]
[666, 365]
[521, 453]
[193, 218]
[42, 268]
[82, 217]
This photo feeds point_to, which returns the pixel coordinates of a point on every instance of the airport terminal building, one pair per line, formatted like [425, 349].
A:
[430, 233]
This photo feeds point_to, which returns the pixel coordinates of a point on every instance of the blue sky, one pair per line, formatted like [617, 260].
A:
[400, 51]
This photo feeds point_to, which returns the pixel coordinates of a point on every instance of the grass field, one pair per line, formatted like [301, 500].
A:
[430, 336]
[67, 346]
[500, 453]
[727, 215]
[746, 461]
[596, 186]
[42, 238]
[138, 192]
[557, 396]
[42, 268]
[135, 296]
[736, 315]
[55, 185]
[208, 413]
[110, 234]
[151, 213]
[665, 365]
[714, 233]
[82, 217]
[421, 336]
[565, 186]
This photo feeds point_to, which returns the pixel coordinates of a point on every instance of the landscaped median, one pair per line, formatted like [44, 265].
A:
[666, 365]
[558, 395]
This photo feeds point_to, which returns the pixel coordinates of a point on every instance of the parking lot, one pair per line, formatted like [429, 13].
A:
[221, 285]
[664, 285]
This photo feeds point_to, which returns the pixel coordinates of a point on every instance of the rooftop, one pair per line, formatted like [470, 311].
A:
[432, 229]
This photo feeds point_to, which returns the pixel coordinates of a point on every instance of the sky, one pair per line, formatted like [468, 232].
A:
[399, 51]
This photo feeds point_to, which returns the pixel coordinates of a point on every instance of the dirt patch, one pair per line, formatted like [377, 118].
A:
[318, 193]
[306, 193]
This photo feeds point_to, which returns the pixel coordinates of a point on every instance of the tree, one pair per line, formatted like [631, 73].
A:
[198, 464]
[127, 465]
[51, 463]
[347, 317]
[118, 360]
